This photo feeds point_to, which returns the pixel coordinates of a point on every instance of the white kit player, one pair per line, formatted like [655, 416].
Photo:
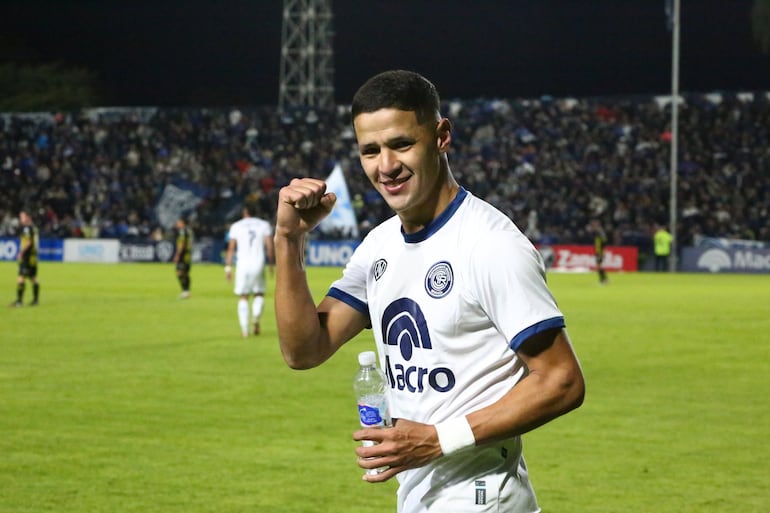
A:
[470, 337]
[251, 242]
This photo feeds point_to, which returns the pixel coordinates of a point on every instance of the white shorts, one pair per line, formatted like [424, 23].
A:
[483, 480]
[249, 280]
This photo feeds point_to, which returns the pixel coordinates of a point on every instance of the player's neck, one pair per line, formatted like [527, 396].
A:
[440, 200]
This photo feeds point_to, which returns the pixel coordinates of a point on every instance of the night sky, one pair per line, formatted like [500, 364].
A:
[227, 52]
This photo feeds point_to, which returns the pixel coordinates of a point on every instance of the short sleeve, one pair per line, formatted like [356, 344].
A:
[508, 281]
[351, 288]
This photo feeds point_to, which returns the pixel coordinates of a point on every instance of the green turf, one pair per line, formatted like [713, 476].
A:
[117, 397]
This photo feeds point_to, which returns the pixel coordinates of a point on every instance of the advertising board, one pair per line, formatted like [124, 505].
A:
[580, 258]
[725, 260]
[105, 251]
[329, 253]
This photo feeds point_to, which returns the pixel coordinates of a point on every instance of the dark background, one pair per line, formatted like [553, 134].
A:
[200, 52]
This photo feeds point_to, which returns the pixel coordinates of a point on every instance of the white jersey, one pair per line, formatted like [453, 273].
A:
[449, 306]
[249, 235]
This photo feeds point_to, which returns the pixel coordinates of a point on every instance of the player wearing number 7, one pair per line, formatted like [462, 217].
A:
[251, 243]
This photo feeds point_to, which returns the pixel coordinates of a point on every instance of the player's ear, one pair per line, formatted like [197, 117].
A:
[443, 134]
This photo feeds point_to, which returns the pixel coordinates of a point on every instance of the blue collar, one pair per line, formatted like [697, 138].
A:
[438, 222]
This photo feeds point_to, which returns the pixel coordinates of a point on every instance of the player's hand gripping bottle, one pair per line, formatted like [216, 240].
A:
[370, 387]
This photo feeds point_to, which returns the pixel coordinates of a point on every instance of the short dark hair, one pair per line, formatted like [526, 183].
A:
[251, 208]
[398, 89]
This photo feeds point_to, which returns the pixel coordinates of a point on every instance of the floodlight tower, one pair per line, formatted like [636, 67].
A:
[307, 67]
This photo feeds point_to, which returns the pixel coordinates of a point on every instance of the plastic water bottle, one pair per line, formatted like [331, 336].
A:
[370, 387]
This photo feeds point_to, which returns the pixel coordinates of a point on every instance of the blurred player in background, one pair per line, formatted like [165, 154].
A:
[29, 245]
[472, 341]
[183, 256]
[250, 241]
[600, 243]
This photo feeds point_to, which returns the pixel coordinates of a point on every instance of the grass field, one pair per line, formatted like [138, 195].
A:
[117, 397]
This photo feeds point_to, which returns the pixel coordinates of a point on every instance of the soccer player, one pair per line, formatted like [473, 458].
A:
[471, 339]
[252, 237]
[183, 256]
[29, 245]
[600, 243]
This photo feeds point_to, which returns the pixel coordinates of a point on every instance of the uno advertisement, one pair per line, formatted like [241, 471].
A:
[574, 258]
[329, 253]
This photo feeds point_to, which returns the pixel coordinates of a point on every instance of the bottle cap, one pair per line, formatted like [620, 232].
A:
[367, 358]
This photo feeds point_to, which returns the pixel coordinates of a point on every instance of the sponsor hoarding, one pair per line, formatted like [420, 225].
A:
[329, 253]
[9, 248]
[104, 251]
[580, 258]
[204, 250]
[725, 260]
[49, 250]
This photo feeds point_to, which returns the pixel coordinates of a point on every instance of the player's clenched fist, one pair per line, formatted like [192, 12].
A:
[302, 205]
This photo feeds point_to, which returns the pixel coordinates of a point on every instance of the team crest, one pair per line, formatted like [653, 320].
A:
[439, 280]
[378, 268]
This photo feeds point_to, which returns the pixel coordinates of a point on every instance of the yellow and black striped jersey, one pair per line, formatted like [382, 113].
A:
[184, 244]
[600, 242]
[29, 245]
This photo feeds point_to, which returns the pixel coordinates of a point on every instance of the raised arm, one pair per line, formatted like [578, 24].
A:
[308, 335]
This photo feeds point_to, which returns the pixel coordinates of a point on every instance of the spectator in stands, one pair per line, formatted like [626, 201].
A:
[93, 169]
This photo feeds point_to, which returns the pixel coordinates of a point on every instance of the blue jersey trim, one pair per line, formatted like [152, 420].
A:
[349, 300]
[437, 223]
[548, 324]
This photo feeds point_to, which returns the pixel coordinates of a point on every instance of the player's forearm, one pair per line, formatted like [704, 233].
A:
[269, 250]
[553, 386]
[536, 400]
[299, 328]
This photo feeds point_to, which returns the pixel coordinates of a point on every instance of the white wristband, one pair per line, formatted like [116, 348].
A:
[228, 268]
[454, 435]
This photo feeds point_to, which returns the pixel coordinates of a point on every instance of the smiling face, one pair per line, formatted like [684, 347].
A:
[406, 163]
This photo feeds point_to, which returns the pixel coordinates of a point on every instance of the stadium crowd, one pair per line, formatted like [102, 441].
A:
[551, 164]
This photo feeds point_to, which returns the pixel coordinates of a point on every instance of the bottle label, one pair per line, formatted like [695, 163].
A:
[370, 416]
